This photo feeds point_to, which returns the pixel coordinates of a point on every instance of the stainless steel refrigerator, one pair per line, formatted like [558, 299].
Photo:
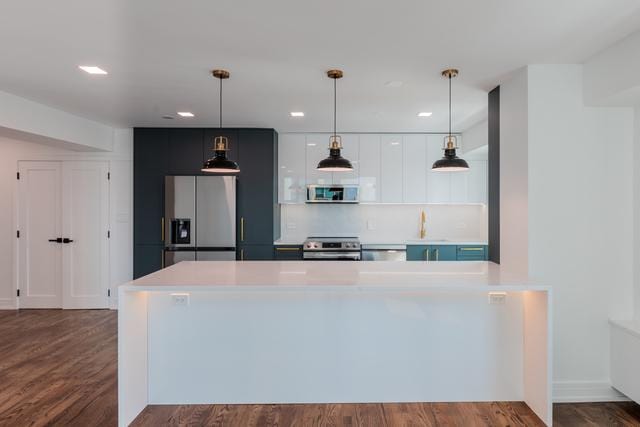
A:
[200, 218]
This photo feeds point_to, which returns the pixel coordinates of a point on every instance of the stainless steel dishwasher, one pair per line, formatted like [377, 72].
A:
[384, 253]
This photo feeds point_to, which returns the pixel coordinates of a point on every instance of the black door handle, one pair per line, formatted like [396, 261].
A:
[66, 240]
[57, 240]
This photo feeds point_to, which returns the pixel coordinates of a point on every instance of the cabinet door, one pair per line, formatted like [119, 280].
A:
[351, 152]
[207, 145]
[391, 169]
[150, 165]
[317, 148]
[147, 259]
[414, 168]
[288, 253]
[478, 178]
[291, 168]
[255, 253]
[257, 186]
[417, 252]
[438, 183]
[369, 166]
[459, 187]
[186, 151]
[442, 253]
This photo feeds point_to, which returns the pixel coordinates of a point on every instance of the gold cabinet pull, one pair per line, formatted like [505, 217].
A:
[426, 254]
[287, 249]
[162, 259]
[242, 229]
[162, 231]
[437, 254]
[472, 249]
[241, 254]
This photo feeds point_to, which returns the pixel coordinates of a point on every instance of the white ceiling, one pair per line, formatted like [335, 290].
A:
[159, 53]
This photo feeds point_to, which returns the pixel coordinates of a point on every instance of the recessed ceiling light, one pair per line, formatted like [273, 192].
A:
[91, 69]
[393, 83]
[297, 114]
[311, 144]
[185, 114]
[425, 114]
[395, 143]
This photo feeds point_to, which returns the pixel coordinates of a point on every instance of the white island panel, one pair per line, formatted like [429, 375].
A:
[320, 332]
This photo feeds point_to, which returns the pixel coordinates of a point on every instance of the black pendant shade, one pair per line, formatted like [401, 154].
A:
[450, 162]
[335, 162]
[220, 163]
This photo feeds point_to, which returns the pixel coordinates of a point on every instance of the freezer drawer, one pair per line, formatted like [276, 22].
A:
[224, 255]
[174, 257]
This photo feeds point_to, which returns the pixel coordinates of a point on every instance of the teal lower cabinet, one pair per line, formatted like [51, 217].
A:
[254, 253]
[447, 253]
[287, 253]
[472, 253]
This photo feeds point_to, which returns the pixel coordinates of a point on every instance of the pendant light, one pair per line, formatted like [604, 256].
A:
[450, 162]
[335, 162]
[220, 163]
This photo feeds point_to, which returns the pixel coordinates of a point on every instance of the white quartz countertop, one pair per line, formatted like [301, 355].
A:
[339, 275]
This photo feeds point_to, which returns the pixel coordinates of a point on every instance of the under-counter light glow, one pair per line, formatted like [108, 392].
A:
[425, 114]
[297, 114]
[185, 114]
[92, 69]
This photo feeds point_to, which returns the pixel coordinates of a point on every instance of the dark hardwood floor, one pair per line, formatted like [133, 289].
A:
[58, 368]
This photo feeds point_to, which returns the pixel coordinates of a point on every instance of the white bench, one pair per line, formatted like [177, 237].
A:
[625, 357]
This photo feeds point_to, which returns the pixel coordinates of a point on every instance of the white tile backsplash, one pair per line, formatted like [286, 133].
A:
[384, 223]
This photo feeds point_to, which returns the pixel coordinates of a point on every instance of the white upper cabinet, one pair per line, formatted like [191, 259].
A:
[478, 181]
[291, 168]
[351, 152]
[391, 169]
[317, 148]
[438, 183]
[369, 166]
[414, 168]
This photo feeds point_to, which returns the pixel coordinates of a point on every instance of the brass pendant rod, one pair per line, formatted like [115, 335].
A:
[221, 103]
[334, 107]
[449, 107]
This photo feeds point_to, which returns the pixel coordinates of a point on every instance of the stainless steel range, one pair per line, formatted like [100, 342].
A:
[332, 249]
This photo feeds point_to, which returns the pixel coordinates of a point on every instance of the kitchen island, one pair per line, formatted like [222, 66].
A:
[328, 332]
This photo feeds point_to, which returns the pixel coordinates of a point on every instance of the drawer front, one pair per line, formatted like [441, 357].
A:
[287, 253]
[472, 253]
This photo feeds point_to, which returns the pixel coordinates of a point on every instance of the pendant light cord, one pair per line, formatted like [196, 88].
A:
[449, 106]
[334, 107]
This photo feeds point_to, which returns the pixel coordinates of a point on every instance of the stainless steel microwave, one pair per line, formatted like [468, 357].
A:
[333, 194]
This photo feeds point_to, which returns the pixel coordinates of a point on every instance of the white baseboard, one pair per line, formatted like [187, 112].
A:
[585, 391]
[8, 304]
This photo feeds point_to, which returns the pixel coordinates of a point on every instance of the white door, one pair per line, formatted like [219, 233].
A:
[414, 168]
[391, 169]
[291, 168]
[369, 166]
[85, 222]
[39, 221]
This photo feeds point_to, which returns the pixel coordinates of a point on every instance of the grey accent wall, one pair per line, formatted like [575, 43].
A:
[494, 175]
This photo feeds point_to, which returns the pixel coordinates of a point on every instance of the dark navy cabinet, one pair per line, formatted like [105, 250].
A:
[287, 253]
[158, 152]
[185, 151]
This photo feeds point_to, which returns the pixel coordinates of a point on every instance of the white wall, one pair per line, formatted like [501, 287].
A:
[579, 218]
[120, 162]
[476, 136]
[514, 139]
[636, 211]
[38, 122]
[383, 223]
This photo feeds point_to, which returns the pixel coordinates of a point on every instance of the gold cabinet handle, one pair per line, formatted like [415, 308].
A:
[426, 254]
[287, 249]
[162, 259]
[472, 249]
[437, 254]
[162, 232]
[241, 254]
[242, 229]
